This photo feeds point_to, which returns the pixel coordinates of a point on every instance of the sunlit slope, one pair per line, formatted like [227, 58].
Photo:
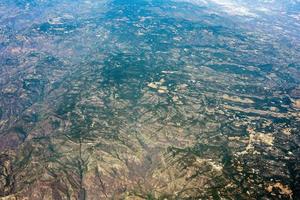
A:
[148, 100]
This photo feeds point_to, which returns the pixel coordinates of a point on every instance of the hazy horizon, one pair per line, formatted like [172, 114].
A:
[149, 99]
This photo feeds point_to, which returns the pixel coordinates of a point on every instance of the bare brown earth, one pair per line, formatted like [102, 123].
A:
[110, 100]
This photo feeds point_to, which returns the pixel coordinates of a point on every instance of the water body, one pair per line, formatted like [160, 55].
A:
[149, 99]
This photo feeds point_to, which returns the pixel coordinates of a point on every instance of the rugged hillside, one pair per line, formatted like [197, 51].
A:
[148, 100]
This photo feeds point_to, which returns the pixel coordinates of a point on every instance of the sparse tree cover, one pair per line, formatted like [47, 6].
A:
[147, 99]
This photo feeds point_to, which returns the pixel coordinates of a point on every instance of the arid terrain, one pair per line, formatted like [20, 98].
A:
[149, 99]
